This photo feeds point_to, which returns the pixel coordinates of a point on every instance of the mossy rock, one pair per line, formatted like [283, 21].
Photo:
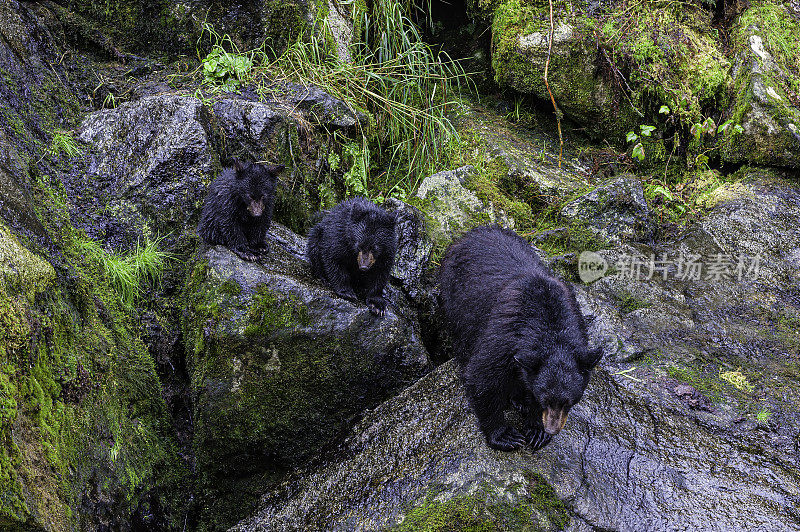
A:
[611, 71]
[279, 366]
[766, 88]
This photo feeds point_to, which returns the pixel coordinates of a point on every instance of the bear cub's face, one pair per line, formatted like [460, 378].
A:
[255, 185]
[372, 236]
[559, 382]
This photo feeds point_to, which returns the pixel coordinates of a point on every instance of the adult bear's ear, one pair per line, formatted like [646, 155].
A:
[591, 358]
[275, 169]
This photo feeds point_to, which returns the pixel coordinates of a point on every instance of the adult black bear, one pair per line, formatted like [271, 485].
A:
[238, 208]
[519, 336]
[352, 249]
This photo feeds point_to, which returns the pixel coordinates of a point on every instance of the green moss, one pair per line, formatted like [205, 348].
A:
[545, 500]
[705, 381]
[537, 508]
[628, 302]
[778, 28]
[575, 237]
[270, 312]
[87, 406]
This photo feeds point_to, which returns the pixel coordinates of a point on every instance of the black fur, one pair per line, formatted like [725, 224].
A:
[353, 230]
[238, 208]
[519, 335]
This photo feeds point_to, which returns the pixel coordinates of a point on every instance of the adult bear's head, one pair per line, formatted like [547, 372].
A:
[552, 349]
[559, 382]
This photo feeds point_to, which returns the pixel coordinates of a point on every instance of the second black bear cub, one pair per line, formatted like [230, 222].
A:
[238, 208]
[520, 338]
[352, 249]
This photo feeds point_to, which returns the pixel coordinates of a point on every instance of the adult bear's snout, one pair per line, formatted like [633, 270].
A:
[553, 419]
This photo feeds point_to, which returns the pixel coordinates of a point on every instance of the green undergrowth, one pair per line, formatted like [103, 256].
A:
[399, 87]
[686, 197]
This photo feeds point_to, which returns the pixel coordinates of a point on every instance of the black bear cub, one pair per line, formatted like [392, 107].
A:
[520, 338]
[238, 208]
[352, 249]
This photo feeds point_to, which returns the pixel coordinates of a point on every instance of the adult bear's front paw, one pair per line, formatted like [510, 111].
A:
[505, 438]
[377, 305]
[536, 438]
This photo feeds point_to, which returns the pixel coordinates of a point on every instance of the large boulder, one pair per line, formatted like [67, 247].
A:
[611, 69]
[626, 460]
[520, 39]
[767, 84]
[691, 414]
[279, 365]
[148, 166]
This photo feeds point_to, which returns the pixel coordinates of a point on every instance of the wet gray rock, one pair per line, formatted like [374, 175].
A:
[624, 461]
[413, 248]
[148, 168]
[279, 365]
[150, 160]
[616, 211]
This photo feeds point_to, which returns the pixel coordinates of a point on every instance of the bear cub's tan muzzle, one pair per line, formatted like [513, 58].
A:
[365, 260]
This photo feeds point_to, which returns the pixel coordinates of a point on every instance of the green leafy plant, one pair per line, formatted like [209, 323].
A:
[763, 415]
[225, 69]
[64, 142]
[638, 149]
[355, 179]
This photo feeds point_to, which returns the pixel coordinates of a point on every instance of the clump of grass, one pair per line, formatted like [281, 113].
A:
[737, 379]
[763, 415]
[128, 273]
[404, 86]
[64, 142]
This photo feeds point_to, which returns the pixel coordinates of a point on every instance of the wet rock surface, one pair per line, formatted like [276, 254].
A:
[279, 365]
[616, 211]
[528, 156]
[626, 460]
[690, 422]
[148, 167]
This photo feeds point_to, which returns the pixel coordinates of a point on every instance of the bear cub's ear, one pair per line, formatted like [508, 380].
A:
[239, 166]
[591, 358]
